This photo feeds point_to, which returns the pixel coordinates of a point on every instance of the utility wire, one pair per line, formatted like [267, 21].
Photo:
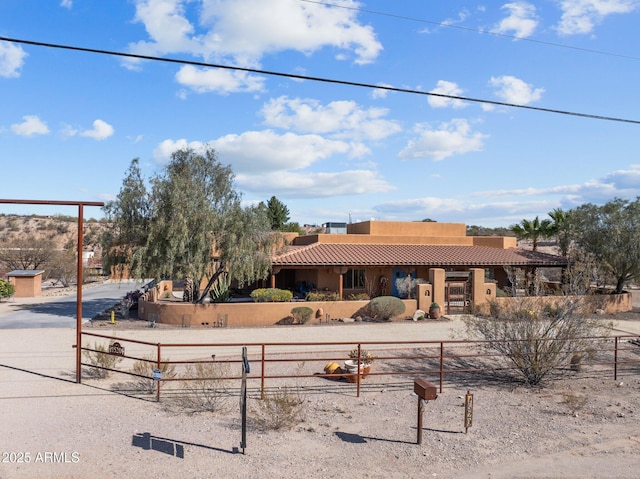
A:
[317, 79]
[476, 30]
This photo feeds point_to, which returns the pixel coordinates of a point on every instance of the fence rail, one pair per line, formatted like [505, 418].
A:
[455, 361]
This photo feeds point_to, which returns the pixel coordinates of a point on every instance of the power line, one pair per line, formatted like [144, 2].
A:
[475, 30]
[317, 79]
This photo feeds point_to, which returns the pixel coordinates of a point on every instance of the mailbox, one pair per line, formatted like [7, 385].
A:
[424, 389]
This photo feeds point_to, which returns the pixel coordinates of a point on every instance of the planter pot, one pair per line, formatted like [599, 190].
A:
[351, 369]
[434, 313]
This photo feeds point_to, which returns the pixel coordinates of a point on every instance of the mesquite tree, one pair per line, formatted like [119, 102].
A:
[194, 225]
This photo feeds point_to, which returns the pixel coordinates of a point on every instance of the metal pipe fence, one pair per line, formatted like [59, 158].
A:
[452, 362]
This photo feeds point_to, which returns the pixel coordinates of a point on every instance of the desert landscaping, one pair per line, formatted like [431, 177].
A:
[582, 426]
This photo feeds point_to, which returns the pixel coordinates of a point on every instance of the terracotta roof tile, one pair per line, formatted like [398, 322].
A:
[319, 254]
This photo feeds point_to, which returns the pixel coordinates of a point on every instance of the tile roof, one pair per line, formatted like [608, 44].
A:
[319, 254]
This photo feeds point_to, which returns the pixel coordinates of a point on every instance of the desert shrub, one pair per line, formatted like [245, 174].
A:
[301, 314]
[535, 338]
[6, 289]
[407, 286]
[320, 296]
[101, 360]
[271, 295]
[204, 387]
[358, 297]
[574, 402]
[280, 410]
[146, 368]
[385, 307]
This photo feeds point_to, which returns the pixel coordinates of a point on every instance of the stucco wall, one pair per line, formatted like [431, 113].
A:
[27, 286]
[609, 303]
[407, 228]
[247, 314]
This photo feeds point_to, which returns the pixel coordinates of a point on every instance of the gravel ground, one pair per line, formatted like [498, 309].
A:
[582, 426]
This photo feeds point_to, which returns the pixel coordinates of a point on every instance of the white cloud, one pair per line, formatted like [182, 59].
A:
[32, 125]
[162, 153]
[315, 185]
[242, 32]
[452, 138]
[581, 16]
[11, 59]
[514, 90]
[521, 22]
[101, 131]
[340, 119]
[203, 80]
[381, 92]
[66, 4]
[446, 88]
[257, 152]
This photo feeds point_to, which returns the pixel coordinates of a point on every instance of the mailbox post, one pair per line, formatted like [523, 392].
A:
[426, 392]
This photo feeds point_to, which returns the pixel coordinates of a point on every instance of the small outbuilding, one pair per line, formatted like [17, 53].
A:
[27, 282]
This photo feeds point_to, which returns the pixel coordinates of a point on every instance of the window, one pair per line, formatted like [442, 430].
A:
[354, 279]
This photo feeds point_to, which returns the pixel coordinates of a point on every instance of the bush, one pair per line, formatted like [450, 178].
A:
[358, 297]
[206, 389]
[146, 368]
[319, 296]
[385, 307]
[536, 338]
[6, 289]
[271, 295]
[102, 360]
[301, 314]
[280, 410]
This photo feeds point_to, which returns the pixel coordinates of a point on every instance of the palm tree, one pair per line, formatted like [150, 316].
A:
[560, 229]
[533, 230]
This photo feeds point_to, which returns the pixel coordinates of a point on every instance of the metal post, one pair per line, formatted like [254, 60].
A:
[615, 360]
[262, 373]
[243, 398]
[159, 368]
[420, 410]
[79, 298]
[358, 370]
[441, 364]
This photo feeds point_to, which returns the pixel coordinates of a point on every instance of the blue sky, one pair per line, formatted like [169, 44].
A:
[71, 122]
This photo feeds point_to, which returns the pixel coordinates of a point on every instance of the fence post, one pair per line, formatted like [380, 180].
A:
[441, 364]
[262, 373]
[159, 367]
[615, 360]
[358, 370]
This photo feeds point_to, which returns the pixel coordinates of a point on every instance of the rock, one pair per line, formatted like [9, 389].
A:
[419, 314]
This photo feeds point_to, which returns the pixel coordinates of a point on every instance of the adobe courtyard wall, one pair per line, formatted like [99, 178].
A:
[249, 314]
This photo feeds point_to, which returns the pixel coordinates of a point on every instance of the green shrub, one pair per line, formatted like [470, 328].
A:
[145, 368]
[204, 388]
[358, 297]
[319, 296]
[385, 307]
[101, 360]
[6, 289]
[281, 410]
[301, 314]
[271, 295]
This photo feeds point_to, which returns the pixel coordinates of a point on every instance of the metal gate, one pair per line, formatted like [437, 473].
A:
[457, 293]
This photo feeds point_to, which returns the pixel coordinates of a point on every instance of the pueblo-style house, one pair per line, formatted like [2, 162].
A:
[373, 255]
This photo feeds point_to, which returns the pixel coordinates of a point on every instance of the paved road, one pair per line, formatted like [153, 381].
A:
[61, 312]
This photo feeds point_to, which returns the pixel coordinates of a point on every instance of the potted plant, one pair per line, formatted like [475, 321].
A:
[364, 367]
[434, 310]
